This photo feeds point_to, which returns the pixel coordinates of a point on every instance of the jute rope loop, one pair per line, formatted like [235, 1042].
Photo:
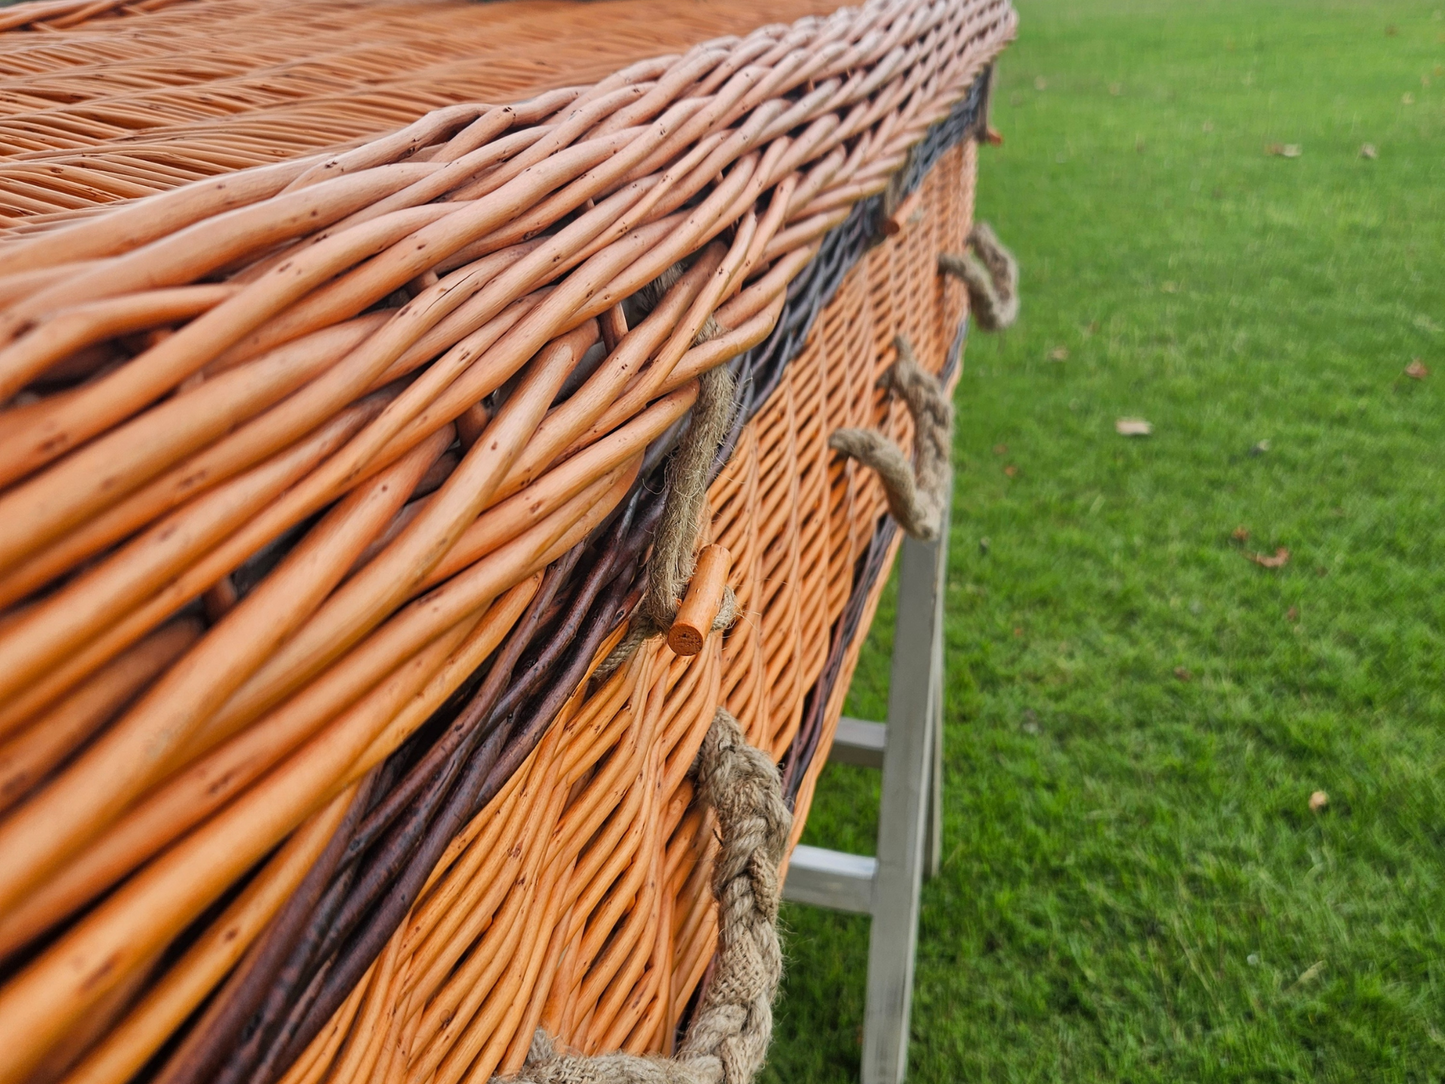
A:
[915, 493]
[673, 557]
[991, 274]
[673, 549]
[728, 1038]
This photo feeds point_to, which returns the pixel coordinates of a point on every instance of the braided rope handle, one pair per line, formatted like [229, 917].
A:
[991, 274]
[916, 493]
[728, 1039]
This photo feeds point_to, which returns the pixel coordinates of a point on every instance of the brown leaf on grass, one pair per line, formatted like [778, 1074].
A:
[1132, 427]
[1279, 560]
[1183, 674]
[1059, 353]
[1292, 615]
[1416, 370]
[1318, 800]
[1000, 449]
[1240, 533]
[1368, 150]
[1011, 471]
[1284, 150]
[1407, 98]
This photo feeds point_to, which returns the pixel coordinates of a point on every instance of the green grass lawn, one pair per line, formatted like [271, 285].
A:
[1134, 885]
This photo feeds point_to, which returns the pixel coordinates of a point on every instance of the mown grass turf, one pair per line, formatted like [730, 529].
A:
[1135, 888]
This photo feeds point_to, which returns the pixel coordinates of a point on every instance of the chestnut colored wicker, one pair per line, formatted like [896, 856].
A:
[329, 484]
[123, 107]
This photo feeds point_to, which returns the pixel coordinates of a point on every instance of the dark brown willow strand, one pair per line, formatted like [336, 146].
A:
[289, 1019]
[486, 777]
[353, 895]
[254, 978]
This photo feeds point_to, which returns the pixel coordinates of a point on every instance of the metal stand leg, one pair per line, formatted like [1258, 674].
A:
[910, 817]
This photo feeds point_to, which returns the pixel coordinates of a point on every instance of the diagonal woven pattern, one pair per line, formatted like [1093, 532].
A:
[327, 485]
[139, 99]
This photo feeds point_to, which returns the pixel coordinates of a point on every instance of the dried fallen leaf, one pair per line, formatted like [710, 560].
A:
[1292, 614]
[1279, 560]
[1416, 370]
[1000, 449]
[1292, 150]
[1018, 630]
[1309, 974]
[1367, 150]
[1183, 674]
[1132, 427]
[1260, 447]
[1407, 98]
[1059, 353]
[1318, 800]
[1011, 471]
[1241, 533]
[1209, 126]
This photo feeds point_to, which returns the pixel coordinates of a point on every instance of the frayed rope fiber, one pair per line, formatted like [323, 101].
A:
[915, 494]
[991, 274]
[729, 1036]
[673, 558]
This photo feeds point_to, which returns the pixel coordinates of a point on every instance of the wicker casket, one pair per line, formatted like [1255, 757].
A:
[393, 488]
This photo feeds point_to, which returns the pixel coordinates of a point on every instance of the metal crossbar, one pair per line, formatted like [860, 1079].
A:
[909, 751]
